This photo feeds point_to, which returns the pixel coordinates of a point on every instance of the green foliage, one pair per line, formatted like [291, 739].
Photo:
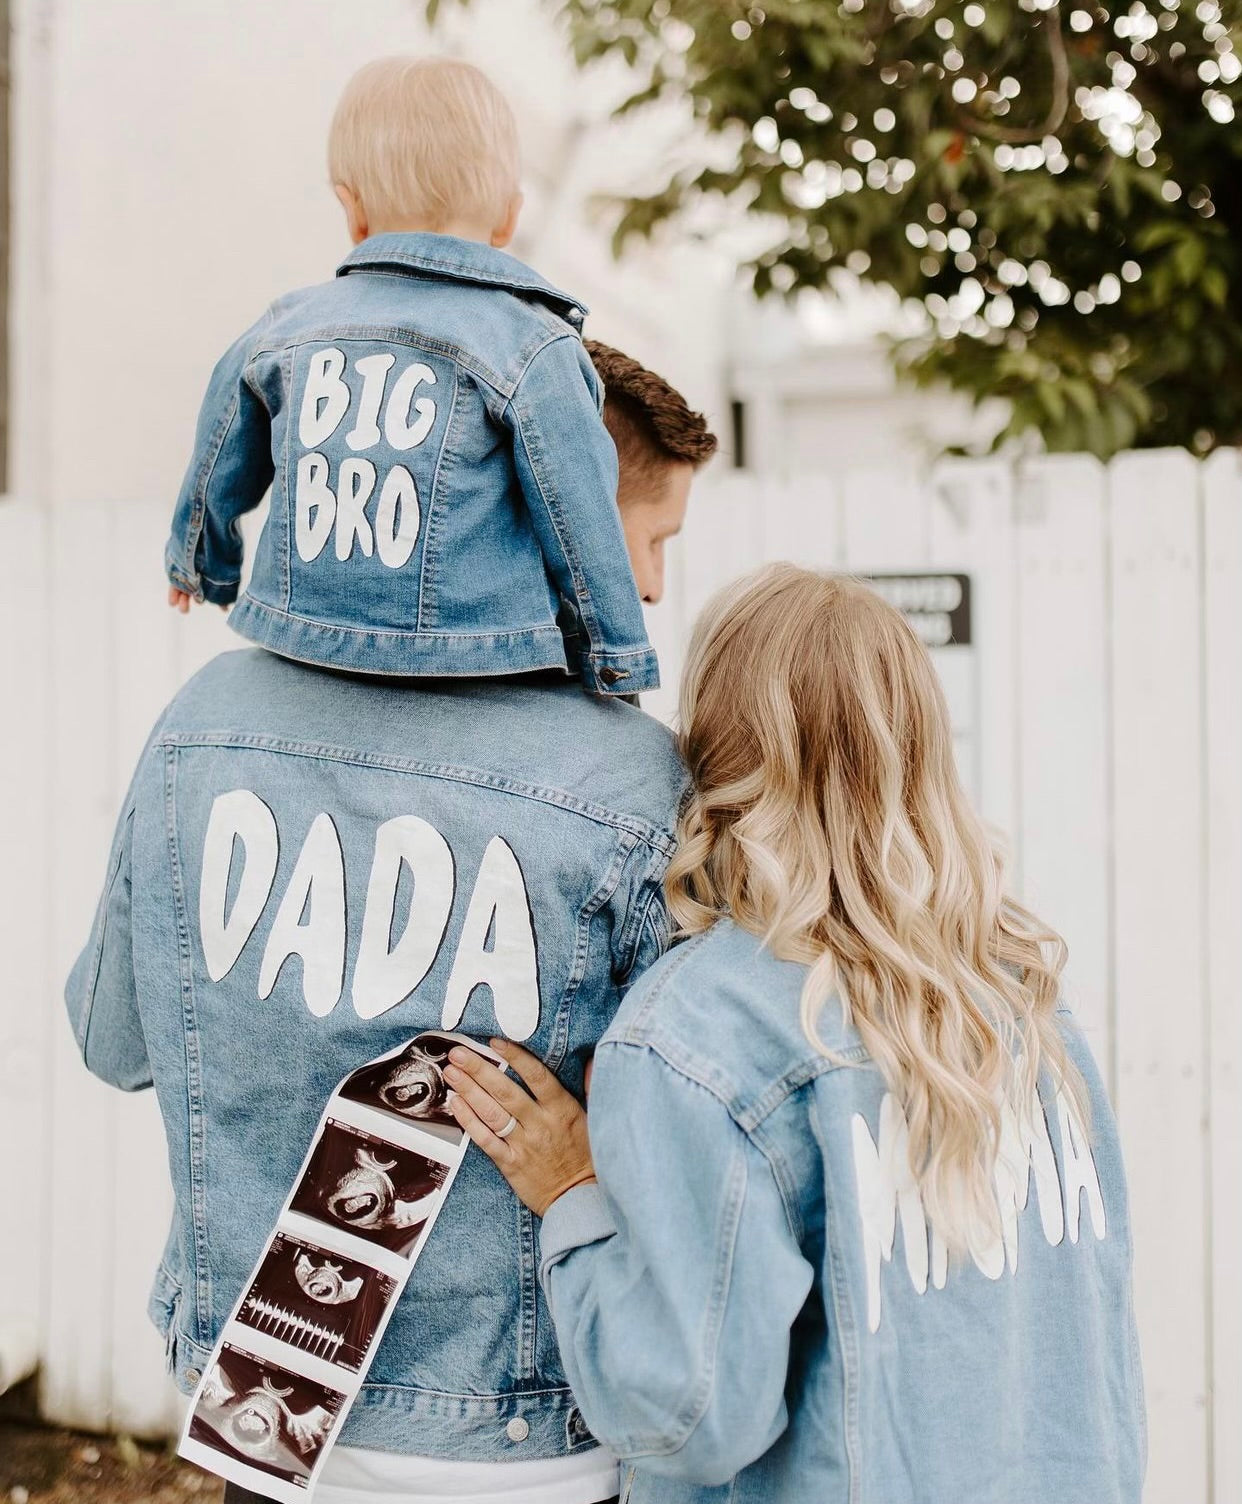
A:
[1059, 186]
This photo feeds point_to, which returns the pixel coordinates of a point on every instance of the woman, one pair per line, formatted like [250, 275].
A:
[860, 1228]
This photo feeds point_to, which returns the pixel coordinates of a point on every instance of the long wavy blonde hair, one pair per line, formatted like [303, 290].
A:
[826, 816]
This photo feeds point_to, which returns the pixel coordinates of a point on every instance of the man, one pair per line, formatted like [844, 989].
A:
[311, 868]
[660, 444]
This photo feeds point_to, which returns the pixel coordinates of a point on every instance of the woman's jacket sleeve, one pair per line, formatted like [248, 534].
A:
[675, 1281]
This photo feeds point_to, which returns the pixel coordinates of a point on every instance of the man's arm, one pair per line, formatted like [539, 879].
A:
[642, 925]
[228, 476]
[100, 994]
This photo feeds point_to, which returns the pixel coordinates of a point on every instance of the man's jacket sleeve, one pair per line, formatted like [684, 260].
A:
[100, 994]
[228, 476]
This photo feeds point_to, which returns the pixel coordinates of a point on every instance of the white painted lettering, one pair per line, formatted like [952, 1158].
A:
[1080, 1174]
[400, 432]
[887, 1189]
[314, 507]
[397, 518]
[500, 910]
[374, 371]
[1026, 1147]
[238, 816]
[325, 400]
[384, 977]
[497, 947]
[354, 489]
[317, 888]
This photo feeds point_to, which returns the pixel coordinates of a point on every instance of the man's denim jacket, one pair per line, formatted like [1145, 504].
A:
[443, 486]
[311, 868]
[751, 1306]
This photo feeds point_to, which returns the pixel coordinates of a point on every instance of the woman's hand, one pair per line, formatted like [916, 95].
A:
[546, 1151]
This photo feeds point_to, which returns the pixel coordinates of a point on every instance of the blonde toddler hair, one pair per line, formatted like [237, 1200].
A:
[826, 816]
[425, 140]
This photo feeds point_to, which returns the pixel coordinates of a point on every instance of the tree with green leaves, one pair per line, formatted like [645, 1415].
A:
[1057, 188]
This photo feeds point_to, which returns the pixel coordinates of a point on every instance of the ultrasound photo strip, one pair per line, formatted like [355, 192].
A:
[306, 1296]
[294, 1352]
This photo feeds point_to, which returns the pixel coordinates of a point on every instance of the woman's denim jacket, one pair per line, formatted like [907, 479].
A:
[512, 838]
[751, 1308]
[443, 486]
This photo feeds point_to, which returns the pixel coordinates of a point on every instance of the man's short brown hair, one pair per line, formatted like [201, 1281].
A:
[651, 423]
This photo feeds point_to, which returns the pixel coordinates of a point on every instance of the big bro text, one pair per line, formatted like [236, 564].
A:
[322, 507]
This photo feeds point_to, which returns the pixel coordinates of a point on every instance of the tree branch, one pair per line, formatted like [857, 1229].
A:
[1059, 107]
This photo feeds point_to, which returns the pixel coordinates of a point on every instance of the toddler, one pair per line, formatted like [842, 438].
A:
[443, 486]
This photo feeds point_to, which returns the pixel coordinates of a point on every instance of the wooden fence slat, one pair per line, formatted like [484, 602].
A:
[24, 795]
[1159, 943]
[719, 542]
[970, 516]
[887, 521]
[801, 522]
[1223, 694]
[1063, 678]
[148, 636]
[76, 1387]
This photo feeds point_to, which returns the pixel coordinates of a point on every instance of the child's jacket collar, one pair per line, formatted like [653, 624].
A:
[461, 261]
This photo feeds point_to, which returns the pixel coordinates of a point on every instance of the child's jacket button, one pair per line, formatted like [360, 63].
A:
[517, 1429]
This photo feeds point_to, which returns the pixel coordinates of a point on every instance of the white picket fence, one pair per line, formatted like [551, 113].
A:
[1100, 725]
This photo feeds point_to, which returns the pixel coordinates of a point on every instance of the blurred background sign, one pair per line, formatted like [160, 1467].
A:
[937, 606]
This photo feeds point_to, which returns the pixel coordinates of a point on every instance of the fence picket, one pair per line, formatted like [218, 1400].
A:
[801, 519]
[24, 895]
[1063, 670]
[1223, 676]
[887, 521]
[82, 1161]
[1159, 942]
[971, 532]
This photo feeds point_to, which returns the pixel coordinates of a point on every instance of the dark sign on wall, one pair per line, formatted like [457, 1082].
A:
[937, 606]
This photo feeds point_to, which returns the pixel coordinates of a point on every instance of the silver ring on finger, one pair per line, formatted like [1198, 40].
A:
[508, 1128]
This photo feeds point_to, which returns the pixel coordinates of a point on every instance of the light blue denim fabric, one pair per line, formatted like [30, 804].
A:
[522, 810]
[443, 486]
[745, 1304]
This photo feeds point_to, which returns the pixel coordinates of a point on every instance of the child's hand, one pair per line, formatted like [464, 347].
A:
[540, 1146]
[179, 599]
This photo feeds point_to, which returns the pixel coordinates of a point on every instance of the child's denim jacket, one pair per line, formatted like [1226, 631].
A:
[443, 486]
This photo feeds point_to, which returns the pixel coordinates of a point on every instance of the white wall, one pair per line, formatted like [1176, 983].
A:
[171, 180]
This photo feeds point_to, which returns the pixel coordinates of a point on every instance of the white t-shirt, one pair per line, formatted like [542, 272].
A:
[353, 1475]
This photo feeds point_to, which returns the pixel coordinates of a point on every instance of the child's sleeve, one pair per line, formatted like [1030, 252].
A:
[567, 467]
[228, 476]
